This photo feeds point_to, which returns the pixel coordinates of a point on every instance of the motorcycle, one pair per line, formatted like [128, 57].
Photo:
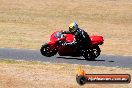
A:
[57, 39]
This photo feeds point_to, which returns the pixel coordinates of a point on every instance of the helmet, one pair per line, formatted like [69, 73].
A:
[73, 27]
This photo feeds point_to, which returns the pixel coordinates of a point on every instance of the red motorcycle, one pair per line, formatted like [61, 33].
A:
[57, 40]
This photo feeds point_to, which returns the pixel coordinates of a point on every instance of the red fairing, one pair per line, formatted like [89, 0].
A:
[97, 40]
[52, 38]
[51, 43]
[69, 37]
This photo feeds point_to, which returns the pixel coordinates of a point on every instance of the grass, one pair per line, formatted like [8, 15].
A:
[11, 61]
[29, 23]
[26, 74]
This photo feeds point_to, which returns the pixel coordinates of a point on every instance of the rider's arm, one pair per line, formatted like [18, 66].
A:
[86, 38]
[81, 35]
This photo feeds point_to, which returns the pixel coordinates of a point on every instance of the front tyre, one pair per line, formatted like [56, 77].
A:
[47, 51]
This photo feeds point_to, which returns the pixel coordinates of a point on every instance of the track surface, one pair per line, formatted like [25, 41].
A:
[35, 55]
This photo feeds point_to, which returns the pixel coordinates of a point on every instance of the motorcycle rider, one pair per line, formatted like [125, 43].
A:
[81, 37]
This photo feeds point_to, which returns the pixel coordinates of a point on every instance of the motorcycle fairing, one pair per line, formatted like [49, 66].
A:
[96, 40]
[56, 36]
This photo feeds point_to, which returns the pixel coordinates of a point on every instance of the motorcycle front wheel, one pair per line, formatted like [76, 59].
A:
[47, 51]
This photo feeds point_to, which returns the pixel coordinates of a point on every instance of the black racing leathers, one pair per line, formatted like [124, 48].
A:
[81, 38]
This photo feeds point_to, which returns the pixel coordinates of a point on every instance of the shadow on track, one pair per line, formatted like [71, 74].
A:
[76, 58]
[111, 61]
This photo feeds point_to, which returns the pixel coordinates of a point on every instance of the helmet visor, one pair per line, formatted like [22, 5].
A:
[71, 29]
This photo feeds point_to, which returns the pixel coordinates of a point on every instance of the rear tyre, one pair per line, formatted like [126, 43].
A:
[88, 55]
[96, 51]
[91, 54]
[46, 50]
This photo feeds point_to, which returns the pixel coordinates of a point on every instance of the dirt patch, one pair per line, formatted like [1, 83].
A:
[40, 75]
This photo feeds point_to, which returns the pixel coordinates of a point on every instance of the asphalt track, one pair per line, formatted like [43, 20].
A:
[35, 55]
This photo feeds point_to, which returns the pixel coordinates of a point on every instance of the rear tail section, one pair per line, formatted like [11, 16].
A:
[98, 40]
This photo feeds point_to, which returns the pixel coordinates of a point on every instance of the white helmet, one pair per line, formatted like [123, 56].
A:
[73, 27]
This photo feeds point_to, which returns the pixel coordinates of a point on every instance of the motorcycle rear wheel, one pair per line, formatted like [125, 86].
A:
[45, 51]
[96, 51]
[87, 55]
[91, 54]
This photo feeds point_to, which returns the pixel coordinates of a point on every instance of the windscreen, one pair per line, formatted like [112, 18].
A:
[58, 35]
